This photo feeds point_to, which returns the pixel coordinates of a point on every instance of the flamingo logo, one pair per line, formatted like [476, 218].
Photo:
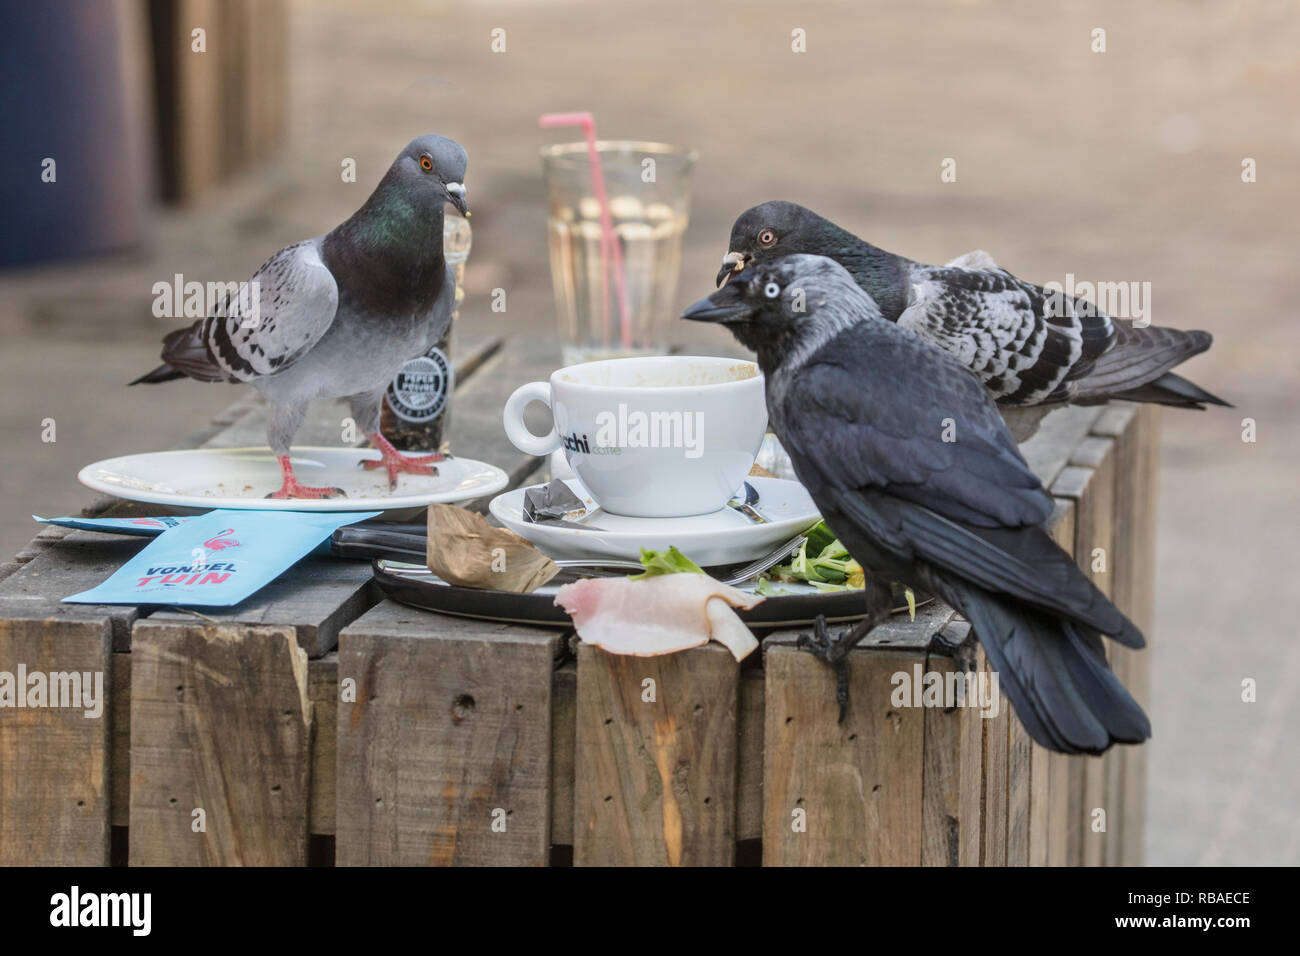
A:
[219, 541]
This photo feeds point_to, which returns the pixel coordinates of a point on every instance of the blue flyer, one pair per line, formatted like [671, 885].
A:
[217, 559]
[137, 526]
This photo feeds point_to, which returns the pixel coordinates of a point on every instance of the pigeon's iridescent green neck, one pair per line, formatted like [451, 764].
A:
[878, 272]
[388, 256]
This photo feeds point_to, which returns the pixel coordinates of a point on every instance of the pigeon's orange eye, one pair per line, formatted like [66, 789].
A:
[766, 237]
[426, 163]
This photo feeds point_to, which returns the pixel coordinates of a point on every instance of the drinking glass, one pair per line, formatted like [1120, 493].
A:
[648, 185]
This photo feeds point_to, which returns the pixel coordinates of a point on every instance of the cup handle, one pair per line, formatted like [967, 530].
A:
[513, 419]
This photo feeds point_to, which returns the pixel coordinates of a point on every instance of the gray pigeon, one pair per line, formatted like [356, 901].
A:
[865, 410]
[340, 313]
[1033, 350]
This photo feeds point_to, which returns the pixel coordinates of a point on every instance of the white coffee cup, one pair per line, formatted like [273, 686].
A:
[654, 436]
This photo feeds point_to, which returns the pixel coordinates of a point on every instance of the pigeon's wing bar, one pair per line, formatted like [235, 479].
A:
[1023, 345]
[929, 433]
[265, 326]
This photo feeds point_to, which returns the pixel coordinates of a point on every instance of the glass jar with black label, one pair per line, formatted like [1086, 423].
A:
[417, 406]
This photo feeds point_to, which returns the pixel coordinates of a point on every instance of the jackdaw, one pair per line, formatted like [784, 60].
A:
[905, 454]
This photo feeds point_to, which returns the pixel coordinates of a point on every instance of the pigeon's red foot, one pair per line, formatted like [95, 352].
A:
[397, 463]
[291, 488]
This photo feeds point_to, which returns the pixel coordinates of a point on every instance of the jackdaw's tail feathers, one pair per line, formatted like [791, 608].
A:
[1054, 672]
[1137, 368]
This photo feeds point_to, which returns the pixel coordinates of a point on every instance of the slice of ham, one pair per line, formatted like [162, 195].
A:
[658, 615]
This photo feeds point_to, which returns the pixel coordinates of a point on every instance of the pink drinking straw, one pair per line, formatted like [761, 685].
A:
[609, 248]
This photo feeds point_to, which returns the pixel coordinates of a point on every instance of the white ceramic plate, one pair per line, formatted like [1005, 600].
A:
[723, 537]
[242, 477]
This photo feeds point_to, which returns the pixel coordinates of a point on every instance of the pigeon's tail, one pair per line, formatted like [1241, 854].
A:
[1173, 390]
[163, 373]
[1054, 671]
[185, 354]
[1136, 368]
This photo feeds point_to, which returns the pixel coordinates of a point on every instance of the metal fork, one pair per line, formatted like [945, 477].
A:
[735, 574]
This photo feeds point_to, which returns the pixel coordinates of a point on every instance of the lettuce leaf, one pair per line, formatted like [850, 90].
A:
[671, 561]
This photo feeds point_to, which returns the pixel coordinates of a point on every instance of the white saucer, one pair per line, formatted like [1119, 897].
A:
[242, 477]
[723, 537]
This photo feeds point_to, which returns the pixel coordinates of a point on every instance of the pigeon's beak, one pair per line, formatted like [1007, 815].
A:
[456, 193]
[723, 306]
[732, 263]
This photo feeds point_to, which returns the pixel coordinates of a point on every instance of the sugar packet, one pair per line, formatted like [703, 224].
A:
[217, 559]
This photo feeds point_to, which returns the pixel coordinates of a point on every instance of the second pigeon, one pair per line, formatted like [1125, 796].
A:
[339, 314]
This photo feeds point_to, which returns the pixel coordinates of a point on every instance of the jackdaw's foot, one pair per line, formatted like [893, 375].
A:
[396, 463]
[833, 650]
[961, 652]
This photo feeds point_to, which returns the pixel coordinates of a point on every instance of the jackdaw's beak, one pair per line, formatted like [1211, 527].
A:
[732, 263]
[456, 193]
[724, 306]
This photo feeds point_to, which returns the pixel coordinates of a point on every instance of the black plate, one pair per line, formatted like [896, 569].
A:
[431, 594]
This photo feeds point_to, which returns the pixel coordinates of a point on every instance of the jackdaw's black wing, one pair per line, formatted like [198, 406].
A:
[923, 427]
[873, 449]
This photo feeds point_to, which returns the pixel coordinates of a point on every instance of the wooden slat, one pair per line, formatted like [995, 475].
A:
[449, 734]
[1080, 795]
[220, 721]
[1049, 451]
[1133, 555]
[564, 719]
[56, 786]
[859, 783]
[749, 771]
[656, 778]
[1056, 822]
[996, 780]
[1056, 835]
[1094, 542]
[1090, 481]
[1019, 784]
[1040, 804]
[952, 777]
[1047, 808]
[323, 692]
[54, 761]
[81, 560]
[119, 777]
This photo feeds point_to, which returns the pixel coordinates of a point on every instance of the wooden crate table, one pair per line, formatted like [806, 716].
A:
[317, 723]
